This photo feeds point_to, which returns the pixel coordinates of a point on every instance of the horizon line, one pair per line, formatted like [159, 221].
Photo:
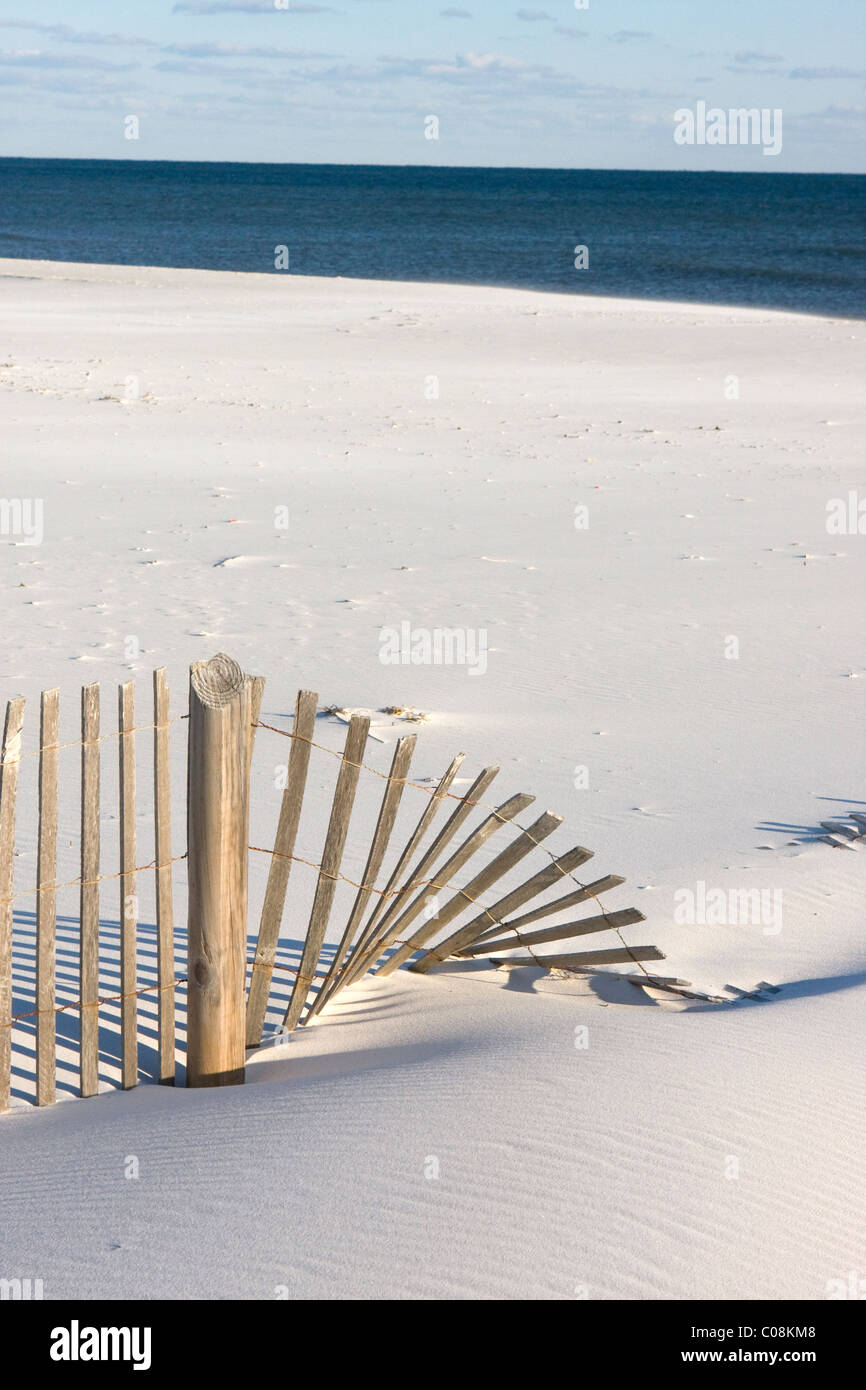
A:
[432, 168]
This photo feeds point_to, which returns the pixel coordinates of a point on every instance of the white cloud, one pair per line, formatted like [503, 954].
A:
[34, 57]
[239, 50]
[247, 7]
[826, 74]
[66, 34]
[752, 56]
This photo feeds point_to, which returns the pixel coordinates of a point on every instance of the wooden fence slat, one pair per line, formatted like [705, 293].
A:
[385, 932]
[303, 729]
[46, 901]
[332, 855]
[465, 897]
[394, 789]
[88, 959]
[11, 754]
[489, 826]
[355, 964]
[163, 874]
[479, 927]
[617, 955]
[128, 903]
[626, 917]
[581, 895]
[257, 690]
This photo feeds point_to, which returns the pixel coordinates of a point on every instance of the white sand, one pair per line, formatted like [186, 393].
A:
[560, 1170]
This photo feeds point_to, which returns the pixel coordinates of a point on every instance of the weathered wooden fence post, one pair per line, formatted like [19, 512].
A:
[217, 838]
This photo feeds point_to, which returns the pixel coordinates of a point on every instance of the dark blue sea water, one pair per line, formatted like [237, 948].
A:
[792, 241]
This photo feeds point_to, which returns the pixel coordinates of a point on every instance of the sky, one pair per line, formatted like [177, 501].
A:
[557, 83]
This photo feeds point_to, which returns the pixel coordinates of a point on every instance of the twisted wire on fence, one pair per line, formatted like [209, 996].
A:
[80, 882]
[87, 742]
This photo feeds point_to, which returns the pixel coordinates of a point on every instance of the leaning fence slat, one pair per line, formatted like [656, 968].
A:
[11, 755]
[370, 931]
[394, 789]
[479, 927]
[88, 966]
[504, 813]
[581, 895]
[46, 901]
[524, 844]
[609, 921]
[386, 931]
[303, 729]
[128, 904]
[164, 903]
[332, 855]
[581, 960]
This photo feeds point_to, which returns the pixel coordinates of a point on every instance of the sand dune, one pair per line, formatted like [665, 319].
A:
[677, 669]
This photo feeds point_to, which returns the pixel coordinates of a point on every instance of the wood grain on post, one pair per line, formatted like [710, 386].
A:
[217, 833]
[128, 901]
[303, 728]
[11, 756]
[88, 951]
[46, 901]
[164, 903]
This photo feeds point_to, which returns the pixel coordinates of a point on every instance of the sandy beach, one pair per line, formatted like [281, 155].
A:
[630, 500]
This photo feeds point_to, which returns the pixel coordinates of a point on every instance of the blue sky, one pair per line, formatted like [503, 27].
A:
[542, 84]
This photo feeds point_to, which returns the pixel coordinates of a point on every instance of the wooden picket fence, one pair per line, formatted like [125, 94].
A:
[405, 907]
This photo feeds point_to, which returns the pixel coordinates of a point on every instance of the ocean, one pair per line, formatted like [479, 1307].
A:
[786, 241]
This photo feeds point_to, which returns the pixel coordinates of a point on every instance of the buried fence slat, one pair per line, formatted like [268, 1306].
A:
[88, 954]
[588, 890]
[387, 931]
[394, 789]
[164, 902]
[46, 901]
[524, 844]
[356, 963]
[11, 755]
[218, 839]
[609, 921]
[617, 955]
[848, 831]
[504, 813]
[332, 855]
[128, 904]
[479, 927]
[303, 729]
